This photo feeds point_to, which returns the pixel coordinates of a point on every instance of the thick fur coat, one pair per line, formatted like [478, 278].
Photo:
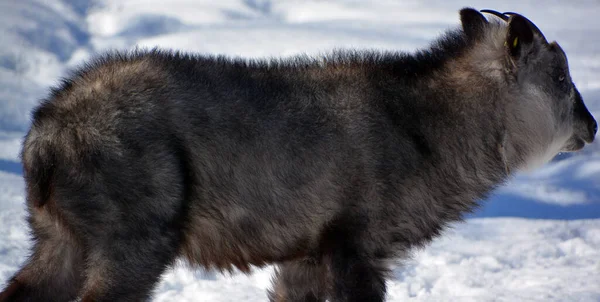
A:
[327, 167]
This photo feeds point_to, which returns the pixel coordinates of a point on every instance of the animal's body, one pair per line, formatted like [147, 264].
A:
[326, 167]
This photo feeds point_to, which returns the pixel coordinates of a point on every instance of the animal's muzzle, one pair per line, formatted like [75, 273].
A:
[586, 125]
[593, 128]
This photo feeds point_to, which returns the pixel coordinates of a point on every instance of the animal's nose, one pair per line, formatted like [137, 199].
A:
[593, 128]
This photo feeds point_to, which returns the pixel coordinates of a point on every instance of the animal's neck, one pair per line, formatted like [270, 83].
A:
[481, 135]
[530, 141]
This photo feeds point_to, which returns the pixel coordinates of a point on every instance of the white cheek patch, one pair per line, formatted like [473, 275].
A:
[549, 143]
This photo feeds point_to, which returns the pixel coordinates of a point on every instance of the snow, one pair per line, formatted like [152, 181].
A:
[550, 253]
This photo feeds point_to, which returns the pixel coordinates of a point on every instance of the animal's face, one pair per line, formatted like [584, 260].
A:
[545, 75]
[549, 112]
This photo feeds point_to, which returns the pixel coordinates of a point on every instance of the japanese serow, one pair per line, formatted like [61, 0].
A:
[326, 167]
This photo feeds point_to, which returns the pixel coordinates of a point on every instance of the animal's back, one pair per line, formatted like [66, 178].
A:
[255, 160]
[275, 155]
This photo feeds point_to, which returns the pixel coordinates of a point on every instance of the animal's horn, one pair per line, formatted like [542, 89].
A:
[533, 26]
[495, 13]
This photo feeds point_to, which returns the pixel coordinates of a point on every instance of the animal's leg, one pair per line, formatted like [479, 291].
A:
[132, 222]
[300, 281]
[53, 272]
[357, 272]
[357, 278]
[127, 265]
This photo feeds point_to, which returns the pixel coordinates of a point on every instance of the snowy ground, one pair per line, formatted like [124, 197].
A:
[492, 257]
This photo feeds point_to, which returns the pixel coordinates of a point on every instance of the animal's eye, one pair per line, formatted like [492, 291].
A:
[561, 78]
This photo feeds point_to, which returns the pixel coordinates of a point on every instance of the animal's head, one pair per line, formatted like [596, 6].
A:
[535, 74]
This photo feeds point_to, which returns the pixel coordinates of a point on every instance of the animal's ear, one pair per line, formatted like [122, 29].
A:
[524, 38]
[473, 23]
[520, 37]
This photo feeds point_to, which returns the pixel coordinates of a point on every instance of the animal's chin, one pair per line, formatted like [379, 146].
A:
[574, 144]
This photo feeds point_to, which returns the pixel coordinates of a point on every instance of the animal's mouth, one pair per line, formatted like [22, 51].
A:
[576, 144]
[589, 139]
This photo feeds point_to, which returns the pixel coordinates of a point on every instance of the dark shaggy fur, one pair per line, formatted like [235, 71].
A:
[327, 167]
